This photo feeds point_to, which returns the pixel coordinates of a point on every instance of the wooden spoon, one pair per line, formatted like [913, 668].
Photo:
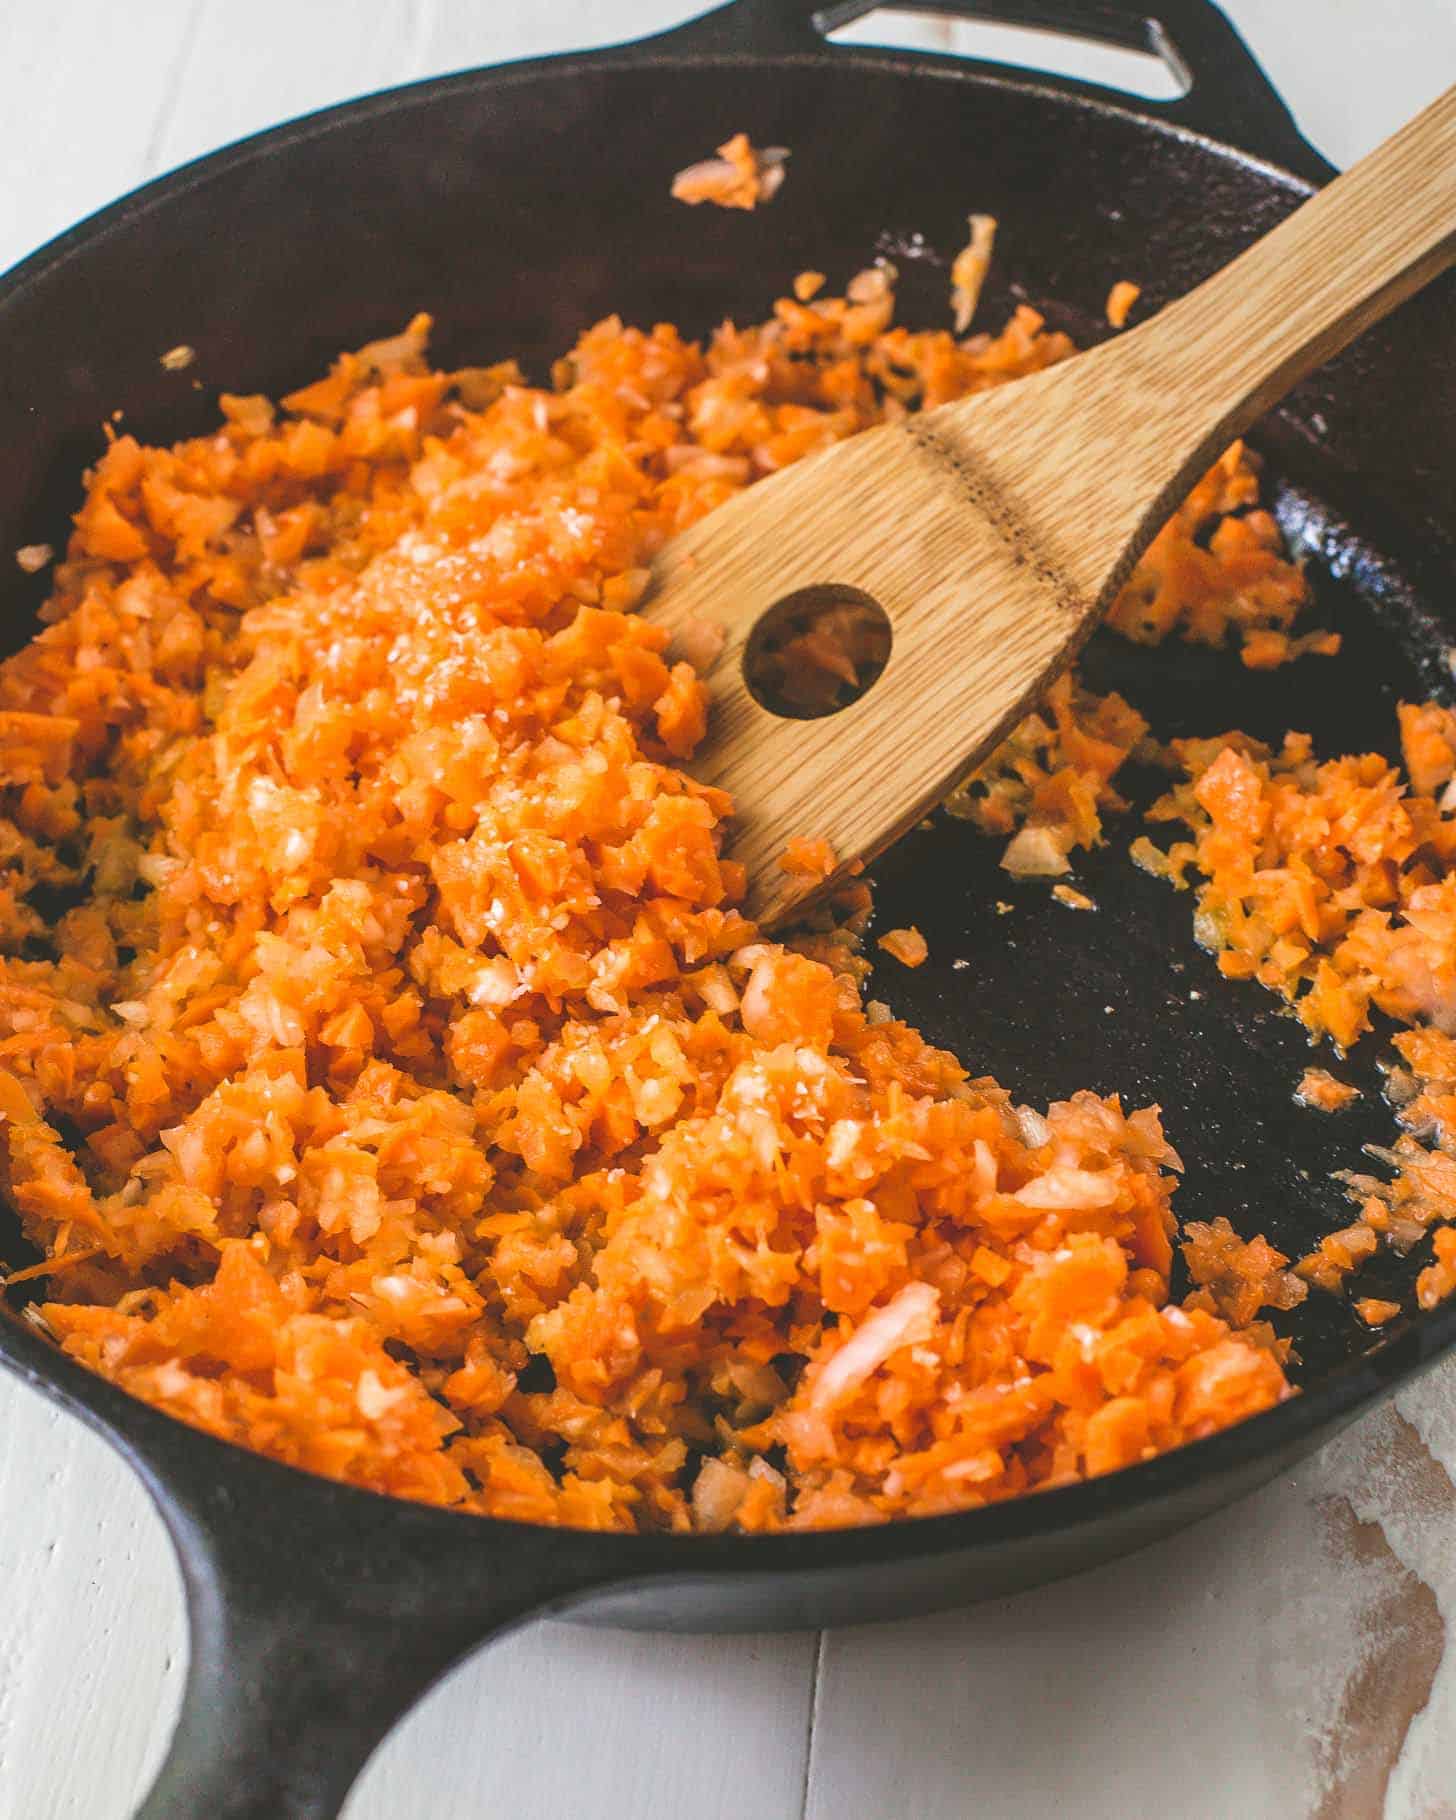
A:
[995, 532]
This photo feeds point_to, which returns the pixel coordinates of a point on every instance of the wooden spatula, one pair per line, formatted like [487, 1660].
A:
[994, 532]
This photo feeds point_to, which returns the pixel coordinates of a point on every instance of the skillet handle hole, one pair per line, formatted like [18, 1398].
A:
[1151, 70]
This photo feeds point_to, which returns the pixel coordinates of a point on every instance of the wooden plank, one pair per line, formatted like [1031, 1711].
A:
[1284, 1658]
[1351, 72]
[91, 1605]
[82, 86]
[246, 68]
[559, 1722]
[92, 1643]
[461, 35]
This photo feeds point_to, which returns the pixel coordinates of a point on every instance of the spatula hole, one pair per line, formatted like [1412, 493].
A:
[816, 651]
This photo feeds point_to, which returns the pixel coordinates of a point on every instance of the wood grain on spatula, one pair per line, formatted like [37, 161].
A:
[995, 532]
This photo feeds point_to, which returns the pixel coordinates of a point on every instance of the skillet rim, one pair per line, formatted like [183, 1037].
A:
[146, 1436]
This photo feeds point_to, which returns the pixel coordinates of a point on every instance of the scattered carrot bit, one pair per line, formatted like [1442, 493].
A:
[807, 285]
[1337, 1254]
[1374, 1312]
[33, 557]
[1321, 1092]
[991, 1267]
[1241, 1277]
[1037, 852]
[812, 859]
[1428, 745]
[49, 1266]
[1438, 1280]
[908, 946]
[175, 360]
[699, 642]
[1120, 300]
[1073, 898]
[740, 177]
[969, 269]
[1265, 648]
[1052, 778]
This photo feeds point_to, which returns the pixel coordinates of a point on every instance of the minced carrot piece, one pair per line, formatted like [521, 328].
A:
[1374, 1312]
[1265, 648]
[811, 859]
[1073, 898]
[1438, 1280]
[908, 946]
[1319, 1090]
[1120, 300]
[1428, 744]
[740, 177]
[1241, 1277]
[969, 269]
[1337, 1254]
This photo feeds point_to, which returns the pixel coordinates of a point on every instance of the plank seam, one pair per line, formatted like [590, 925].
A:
[172, 93]
[816, 1683]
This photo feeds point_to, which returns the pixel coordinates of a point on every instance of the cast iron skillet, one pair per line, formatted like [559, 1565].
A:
[518, 205]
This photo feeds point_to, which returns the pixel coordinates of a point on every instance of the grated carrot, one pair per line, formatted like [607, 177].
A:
[433, 1117]
[740, 177]
[1319, 1090]
[907, 946]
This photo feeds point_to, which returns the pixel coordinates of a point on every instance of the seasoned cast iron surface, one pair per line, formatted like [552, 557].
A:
[1123, 1000]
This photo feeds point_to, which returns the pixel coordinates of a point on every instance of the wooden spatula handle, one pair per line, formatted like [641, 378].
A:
[1308, 288]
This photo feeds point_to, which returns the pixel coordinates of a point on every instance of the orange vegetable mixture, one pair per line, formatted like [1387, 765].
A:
[389, 1075]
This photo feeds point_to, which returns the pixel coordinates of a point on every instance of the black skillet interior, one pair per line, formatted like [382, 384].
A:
[518, 206]
[1053, 998]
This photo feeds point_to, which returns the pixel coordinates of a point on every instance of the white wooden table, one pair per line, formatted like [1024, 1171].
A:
[1285, 1660]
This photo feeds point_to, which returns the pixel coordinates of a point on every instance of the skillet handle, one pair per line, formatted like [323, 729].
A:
[1228, 97]
[318, 1614]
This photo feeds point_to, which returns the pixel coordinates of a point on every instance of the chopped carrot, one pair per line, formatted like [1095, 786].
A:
[1438, 1280]
[1319, 1090]
[969, 270]
[740, 177]
[1120, 300]
[908, 946]
[810, 859]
